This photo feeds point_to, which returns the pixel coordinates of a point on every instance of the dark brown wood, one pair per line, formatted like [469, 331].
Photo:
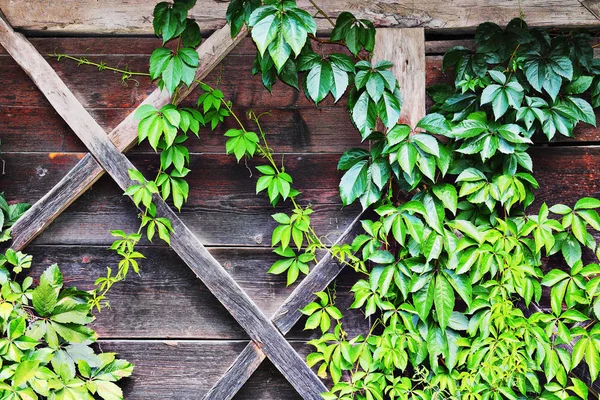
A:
[303, 130]
[183, 241]
[211, 52]
[169, 292]
[288, 314]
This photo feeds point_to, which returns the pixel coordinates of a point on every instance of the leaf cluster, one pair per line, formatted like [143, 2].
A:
[45, 346]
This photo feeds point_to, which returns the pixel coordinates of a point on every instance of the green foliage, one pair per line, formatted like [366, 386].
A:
[450, 266]
[453, 250]
[45, 341]
[280, 29]
[9, 214]
[356, 33]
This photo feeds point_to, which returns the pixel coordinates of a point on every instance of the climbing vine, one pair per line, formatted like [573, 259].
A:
[453, 261]
[45, 343]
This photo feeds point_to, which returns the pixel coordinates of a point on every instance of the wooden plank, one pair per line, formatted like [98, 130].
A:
[173, 295]
[134, 17]
[406, 49]
[87, 171]
[305, 130]
[185, 369]
[183, 241]
[561, 171]
[284, 319]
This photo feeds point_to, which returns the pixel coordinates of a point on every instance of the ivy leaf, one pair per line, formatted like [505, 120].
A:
[191, 36]
[435, 123]
[364, 115]
[281, 29]
[389, 108]
[448, 195]
[265, 26]
[319, 80]
[427, 143]
[357, 33]
[158, 62]
[444, 300]
[169, 20]
[238, 13]
[45, 297]
[354, 182]
[172, 74]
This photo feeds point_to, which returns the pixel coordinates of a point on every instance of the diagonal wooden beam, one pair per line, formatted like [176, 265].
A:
[87, 171]
[406, 49]
[326, 270]
[183, 241]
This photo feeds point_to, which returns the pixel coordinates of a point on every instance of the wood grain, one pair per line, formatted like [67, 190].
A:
[286, 316]
[87, 171]
[169, 292]
[232, 214]
[405, 48]
[183, 241]
[134, 17]
[185, 370]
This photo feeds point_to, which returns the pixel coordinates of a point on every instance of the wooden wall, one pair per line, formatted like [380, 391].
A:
[165, 321]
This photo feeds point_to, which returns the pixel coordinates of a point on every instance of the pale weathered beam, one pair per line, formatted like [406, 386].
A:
[87, 171]
[183, 241]
[135, 17]
[405, 47]
[326, 270]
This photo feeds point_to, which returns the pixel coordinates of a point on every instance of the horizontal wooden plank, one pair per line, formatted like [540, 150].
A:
[216, 179]
[102, 89]
[169, 292]
[223, 209]
[134, 17]
[302, 130]
[294, 124]
[185, 370]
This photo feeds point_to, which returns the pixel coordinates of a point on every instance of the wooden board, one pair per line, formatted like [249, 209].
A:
[185, 370]
[564, 173]
[294, 125]
[135, 17]
[405, 48]
[168, 291]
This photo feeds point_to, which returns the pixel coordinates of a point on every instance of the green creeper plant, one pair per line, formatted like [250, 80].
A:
[453, 262]
[45, 343]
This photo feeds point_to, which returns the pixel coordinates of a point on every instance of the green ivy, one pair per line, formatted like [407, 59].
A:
[45, 343]
[453, 253]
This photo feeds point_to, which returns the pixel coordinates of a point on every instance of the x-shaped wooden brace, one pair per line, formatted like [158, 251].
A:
[105, 154]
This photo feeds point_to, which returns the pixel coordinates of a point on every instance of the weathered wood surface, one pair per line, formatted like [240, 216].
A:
[185, 370]
[294, 126]
[562, 171]
[223, 208]
[87, 171]
[183, 241]
[168, 291]
[286, 316]
[405, 48]
[135, 17]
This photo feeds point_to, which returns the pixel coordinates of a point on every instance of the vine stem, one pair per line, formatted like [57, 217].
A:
[101, 67]
[265, 149]
[323, 13]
